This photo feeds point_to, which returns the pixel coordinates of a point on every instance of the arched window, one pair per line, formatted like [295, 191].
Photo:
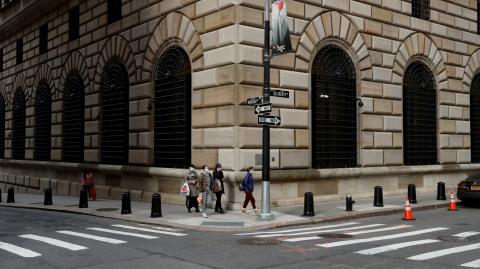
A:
[421, 9]
[73, 118]
[2, 127]
[115, 104]
[334, 112]
[18, 133]
[43, 121]
[173, 106]
[419, 115]
[475, 118]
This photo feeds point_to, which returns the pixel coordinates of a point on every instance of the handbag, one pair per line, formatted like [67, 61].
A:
[217, 185]
[185, 189]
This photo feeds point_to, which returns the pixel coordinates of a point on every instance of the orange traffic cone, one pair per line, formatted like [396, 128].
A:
[408, 214]
[453, 205]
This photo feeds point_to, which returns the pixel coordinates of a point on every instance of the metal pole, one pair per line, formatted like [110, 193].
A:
[265, 213]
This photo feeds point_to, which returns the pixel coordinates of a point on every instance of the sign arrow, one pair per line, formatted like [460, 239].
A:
[263, 108]
[269, 120]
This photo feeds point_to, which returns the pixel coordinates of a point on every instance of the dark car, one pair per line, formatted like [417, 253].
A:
[469, 189]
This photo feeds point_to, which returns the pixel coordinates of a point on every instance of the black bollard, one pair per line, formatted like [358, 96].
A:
[0, 195]
[48, 197]
[308, 210]
[441, 191]
[349, 203]
[412, 194]
[126, 204]
[10, 196]
[156, 206]
[83, 199]
[378, 197]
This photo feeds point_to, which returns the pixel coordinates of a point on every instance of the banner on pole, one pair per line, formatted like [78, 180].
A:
[280, 33]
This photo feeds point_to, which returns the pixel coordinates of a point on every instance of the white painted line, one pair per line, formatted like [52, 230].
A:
[26, 253]
[94, 237]
[466, 234]
[379, 230]
[303, 229]
[472, 264]
[322, 231]
[380, 238]
[147, 230]
[299, 239]
[123, 233]
[158, 227]
[53, 242]
[443, 252]
[373, 251]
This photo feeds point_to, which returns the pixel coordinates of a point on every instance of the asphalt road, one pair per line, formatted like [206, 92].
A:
[437, 239]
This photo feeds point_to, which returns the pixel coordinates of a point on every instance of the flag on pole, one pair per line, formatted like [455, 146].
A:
[280, 33]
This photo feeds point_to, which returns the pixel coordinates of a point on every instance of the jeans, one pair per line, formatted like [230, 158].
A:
[206, 200]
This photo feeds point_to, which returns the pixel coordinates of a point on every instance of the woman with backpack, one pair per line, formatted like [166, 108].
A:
[247, 187]
[218, 188]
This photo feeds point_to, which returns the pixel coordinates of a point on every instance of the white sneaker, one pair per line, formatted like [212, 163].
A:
[257, 211]
[205, 215]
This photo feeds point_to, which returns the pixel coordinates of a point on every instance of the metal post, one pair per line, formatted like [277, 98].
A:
[265, 213]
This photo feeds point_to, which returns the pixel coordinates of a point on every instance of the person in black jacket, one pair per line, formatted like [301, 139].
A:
[218, 187]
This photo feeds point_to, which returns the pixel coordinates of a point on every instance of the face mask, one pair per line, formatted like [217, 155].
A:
[219, 169]
[206, 169]
[192, 169]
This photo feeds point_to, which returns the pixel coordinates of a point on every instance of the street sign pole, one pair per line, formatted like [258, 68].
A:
[265, 213]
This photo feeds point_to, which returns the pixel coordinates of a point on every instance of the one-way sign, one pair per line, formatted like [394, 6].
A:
[263, 108]
[280, 93]
[255, 100]
[269, 120]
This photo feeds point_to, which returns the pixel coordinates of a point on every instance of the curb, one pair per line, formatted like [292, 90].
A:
[157, 221]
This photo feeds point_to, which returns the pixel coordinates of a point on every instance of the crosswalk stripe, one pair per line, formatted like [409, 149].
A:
[379, 230]
[94, 237]
[472, 264]
[443, 252]
[321, 231]
[147, 230]
[303, 229]
[466, 234]
[373, 251]
[380, 238]
[123, 233]
[158, 228]
[53, 242]
[23, 252]
[299, 239]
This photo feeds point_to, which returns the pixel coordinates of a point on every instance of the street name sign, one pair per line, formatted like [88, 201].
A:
[263, 108]
[280, 93]
[269, 120]
[255, 100]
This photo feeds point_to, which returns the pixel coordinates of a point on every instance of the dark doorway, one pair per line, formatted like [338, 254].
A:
[73, 118]
[475, 118]
[43, 120]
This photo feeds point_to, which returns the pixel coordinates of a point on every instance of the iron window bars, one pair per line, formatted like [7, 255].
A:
[74, 23]
[2, 128]
[18, 132]
[43, 122]
[475, 118]
[73, 118]
[114, 9]
[334, 114]
[421, 9]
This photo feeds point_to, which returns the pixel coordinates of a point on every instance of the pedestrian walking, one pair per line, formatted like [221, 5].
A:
[247, 187]
[218, 187]
[88, 184]
[191, 177]
[205, 188]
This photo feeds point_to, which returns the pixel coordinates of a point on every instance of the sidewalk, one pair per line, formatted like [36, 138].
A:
[232, 221]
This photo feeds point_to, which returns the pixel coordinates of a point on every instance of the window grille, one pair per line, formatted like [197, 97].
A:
[421, 9]
[173, 106]
[475, 118]
[419, 116]
[74, 23]
[73, 118]
[2, 128]
[115, 104]
[114, 8]
[19, 51]
[334, 110]
[43, 121]
[1, 59]
[43, 38]
[18, 132]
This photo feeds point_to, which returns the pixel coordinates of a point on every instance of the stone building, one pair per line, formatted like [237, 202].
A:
[382, 92]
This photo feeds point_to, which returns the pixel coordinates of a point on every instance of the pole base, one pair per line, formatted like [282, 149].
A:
[266, 216]
[409, 219]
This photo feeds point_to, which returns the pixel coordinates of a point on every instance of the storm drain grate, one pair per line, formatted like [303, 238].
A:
[335, 236]
[107, 209]
[259, 241]
[223, 223]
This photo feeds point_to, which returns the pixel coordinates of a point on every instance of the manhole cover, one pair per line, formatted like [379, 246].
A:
[108, 209]
[258, 241]
[335, 235]
[449, 238]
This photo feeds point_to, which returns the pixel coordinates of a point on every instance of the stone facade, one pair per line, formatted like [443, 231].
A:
[224, 40]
